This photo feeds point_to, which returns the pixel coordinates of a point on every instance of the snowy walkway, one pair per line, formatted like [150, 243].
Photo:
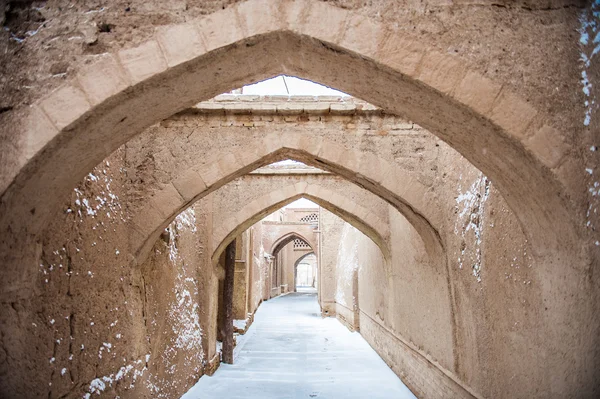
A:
[291, 352]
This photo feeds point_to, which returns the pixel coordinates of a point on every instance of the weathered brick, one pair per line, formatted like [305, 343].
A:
[40, 130]
[512, 114]
[102, 79]
[189, 184]
[441, 71]
[477, 92]
[549, 145]
[211, 28]
[400, 54]
[65, 105]
[143, 61]
[180, 43]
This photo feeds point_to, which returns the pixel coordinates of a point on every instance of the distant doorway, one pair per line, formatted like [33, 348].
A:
[306, 274]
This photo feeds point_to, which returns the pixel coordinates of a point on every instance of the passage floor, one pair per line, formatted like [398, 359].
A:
[291, 352]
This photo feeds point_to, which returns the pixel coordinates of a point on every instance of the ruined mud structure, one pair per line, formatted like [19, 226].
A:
[456, 189]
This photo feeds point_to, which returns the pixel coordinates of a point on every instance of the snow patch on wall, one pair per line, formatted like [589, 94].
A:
[105, 202]
[184, 349]
[470, 205]
[99, 385]
[590, 48]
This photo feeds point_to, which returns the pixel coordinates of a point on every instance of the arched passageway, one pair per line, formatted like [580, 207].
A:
[258, 209]
[517, 145]
[178, 67]
[408, 195]
[284, 253]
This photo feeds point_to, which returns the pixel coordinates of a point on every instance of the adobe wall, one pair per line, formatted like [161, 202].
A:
[95, 324]
[330, 227]
[424, 318]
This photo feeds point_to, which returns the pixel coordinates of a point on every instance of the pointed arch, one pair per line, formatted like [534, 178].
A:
[404, 192]
[121, 94]
[361, 218]
[289, 237]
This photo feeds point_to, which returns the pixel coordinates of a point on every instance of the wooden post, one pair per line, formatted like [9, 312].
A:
[228, 303]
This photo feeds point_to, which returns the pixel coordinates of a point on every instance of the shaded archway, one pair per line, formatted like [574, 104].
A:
[74, 128]
[282, 265]
[288, 238]
[405, 192]
[250, 214]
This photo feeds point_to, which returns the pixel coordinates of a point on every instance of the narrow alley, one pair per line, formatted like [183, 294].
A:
[292, 352]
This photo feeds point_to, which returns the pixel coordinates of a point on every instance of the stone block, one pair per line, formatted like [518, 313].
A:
[366, 107]
[512, 114]
[143, 62]
[238, 108]
[275, 197]
[263, 108]
[211, 106]
[290, 108]
[350, 159]
[319, 108]
[65, 105]
[309, 144]
[137, 240]
[40, 130]
[331, 152]
[375, 168]
[147, 220]
[251, 154]
[272, 143]
[440, 71]
[227, 97]
[301, 188]
[276, 98]
[229, 165]
[294, 13]
[167, 201]
[343, 108]
[290, 191]
[102, 79]
[258, 17]
[210, 173]
[362, 35]
[180, 43]
[220, 233]
[477, 92]
[323, 22]
[264, 202]
[330, 99]
[249, 98]
[303, 98]
[400, 54]
[220, 29]
[549, 145]
[254, 207]
[189, 184]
